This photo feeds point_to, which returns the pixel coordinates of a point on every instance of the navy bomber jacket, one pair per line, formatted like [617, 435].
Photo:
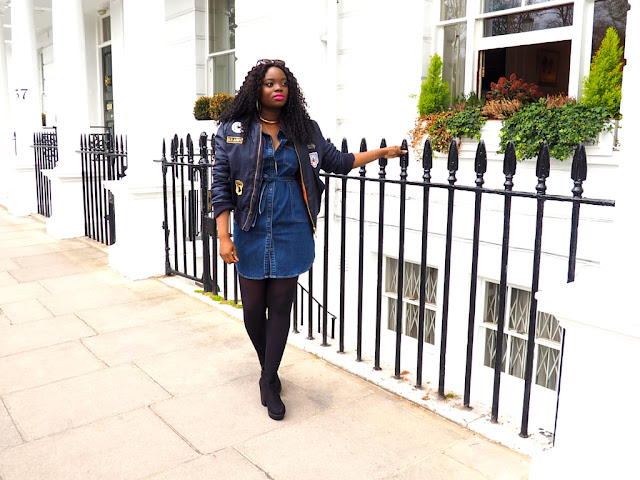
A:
[238, 165]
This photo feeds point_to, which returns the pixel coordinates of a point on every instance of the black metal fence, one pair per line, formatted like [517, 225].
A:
[188, 224]
[103, 157]
[45, 151]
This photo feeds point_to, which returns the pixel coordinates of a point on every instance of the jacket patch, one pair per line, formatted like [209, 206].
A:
[235, 139]
[239, 186]
[236, 127]
[313, 156]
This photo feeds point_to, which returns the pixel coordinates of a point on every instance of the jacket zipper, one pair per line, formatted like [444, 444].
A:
[255, 179]
[306, 201]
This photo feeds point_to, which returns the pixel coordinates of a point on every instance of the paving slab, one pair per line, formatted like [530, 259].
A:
[151, 288]
[7, 279]
[22, 291]
[326, 382]
[141, 312]
[224, 415]
[9, 435]
[6, 264]
[83, 281]
[438, 467]
[4, 320]
[201, 367]
[492, 460]
[8, 252]
[46, 365]
[370, 438]
[43, 411]
[43, 333]
[130, 344]
[25, 311]
[224, 464]
[131, 446]
[104, 296]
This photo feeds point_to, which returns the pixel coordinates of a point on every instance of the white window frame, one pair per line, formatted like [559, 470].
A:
[510, 334]
[392, 296]
[210, 60]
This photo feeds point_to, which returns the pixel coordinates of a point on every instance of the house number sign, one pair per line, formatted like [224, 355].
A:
[21, 92]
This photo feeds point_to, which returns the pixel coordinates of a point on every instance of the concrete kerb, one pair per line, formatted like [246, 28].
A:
[477, 420]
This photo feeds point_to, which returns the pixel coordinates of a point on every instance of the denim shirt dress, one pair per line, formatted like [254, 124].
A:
[280, 242]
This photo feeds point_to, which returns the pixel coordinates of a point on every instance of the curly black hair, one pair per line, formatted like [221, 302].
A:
[294, 118]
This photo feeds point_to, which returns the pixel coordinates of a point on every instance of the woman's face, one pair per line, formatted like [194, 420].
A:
[275, 88]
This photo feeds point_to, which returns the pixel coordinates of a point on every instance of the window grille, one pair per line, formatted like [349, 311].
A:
[514, 345]
[411, 299]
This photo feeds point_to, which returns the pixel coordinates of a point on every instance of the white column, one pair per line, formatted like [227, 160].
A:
[25, 95]
[6, 133]
[597, 417]
[139, 97]
[72, 102]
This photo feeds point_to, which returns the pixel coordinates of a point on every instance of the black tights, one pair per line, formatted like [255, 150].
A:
[268, 333]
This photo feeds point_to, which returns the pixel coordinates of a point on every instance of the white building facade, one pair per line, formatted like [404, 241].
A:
[138, 67]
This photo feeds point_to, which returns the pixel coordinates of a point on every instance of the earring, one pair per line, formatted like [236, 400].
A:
[258, 105]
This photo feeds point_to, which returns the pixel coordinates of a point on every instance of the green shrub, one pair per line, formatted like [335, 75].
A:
[563, 127]
[434, 93]
[219, 103]
[603, 86]
[468, 119]
[202, 108]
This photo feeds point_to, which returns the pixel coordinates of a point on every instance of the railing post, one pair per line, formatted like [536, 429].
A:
[382, 162]
[363, 174]
[165, 223]
[578, 175]
[207, 283]
[214, 226]
[509, 170]
[343, 256]
[427, 164]
[404, 163]
[480, 169]
[452, 165]
[542, 172]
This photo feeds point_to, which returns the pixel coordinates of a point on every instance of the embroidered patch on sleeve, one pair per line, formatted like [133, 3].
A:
[313, 156]
[239, 186]
[235, 139]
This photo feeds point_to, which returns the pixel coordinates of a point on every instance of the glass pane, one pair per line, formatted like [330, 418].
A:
[491, 303]
[430, 326]
[391, 280]
[453, 57]
[391, 316]
[547, 369]
[106, 29]
[431, 286]
[555, 17]
[609, 13]
[223, 73]
[490, 349]
[411, 320]
[519, 310]
[450, 9]
[497, 5]
[517, 357]
[548, 327]
[222, 25]
[411, 281]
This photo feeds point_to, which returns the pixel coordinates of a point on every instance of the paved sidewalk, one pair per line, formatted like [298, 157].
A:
[102, 377]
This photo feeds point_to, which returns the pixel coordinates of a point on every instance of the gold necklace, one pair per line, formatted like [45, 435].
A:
[271, 122]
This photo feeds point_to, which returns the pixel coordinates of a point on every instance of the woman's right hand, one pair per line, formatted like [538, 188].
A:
[228, 250]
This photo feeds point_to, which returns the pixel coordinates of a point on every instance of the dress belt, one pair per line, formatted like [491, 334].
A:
[272, 178]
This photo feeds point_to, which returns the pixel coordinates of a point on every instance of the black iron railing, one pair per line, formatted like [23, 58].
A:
[183, 177]
[103, 157]
[45, 151]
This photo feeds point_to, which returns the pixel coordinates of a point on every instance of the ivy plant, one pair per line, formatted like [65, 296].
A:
[563, 128]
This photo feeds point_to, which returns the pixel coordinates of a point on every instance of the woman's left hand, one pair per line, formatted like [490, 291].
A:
[392, 152]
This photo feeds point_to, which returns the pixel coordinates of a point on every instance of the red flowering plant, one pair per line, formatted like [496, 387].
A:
[513, 89]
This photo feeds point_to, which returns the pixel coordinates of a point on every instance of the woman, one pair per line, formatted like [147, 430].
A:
[268, 157]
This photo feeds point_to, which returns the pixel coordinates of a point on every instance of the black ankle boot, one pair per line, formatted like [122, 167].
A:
[270, 397]
[278, 383]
